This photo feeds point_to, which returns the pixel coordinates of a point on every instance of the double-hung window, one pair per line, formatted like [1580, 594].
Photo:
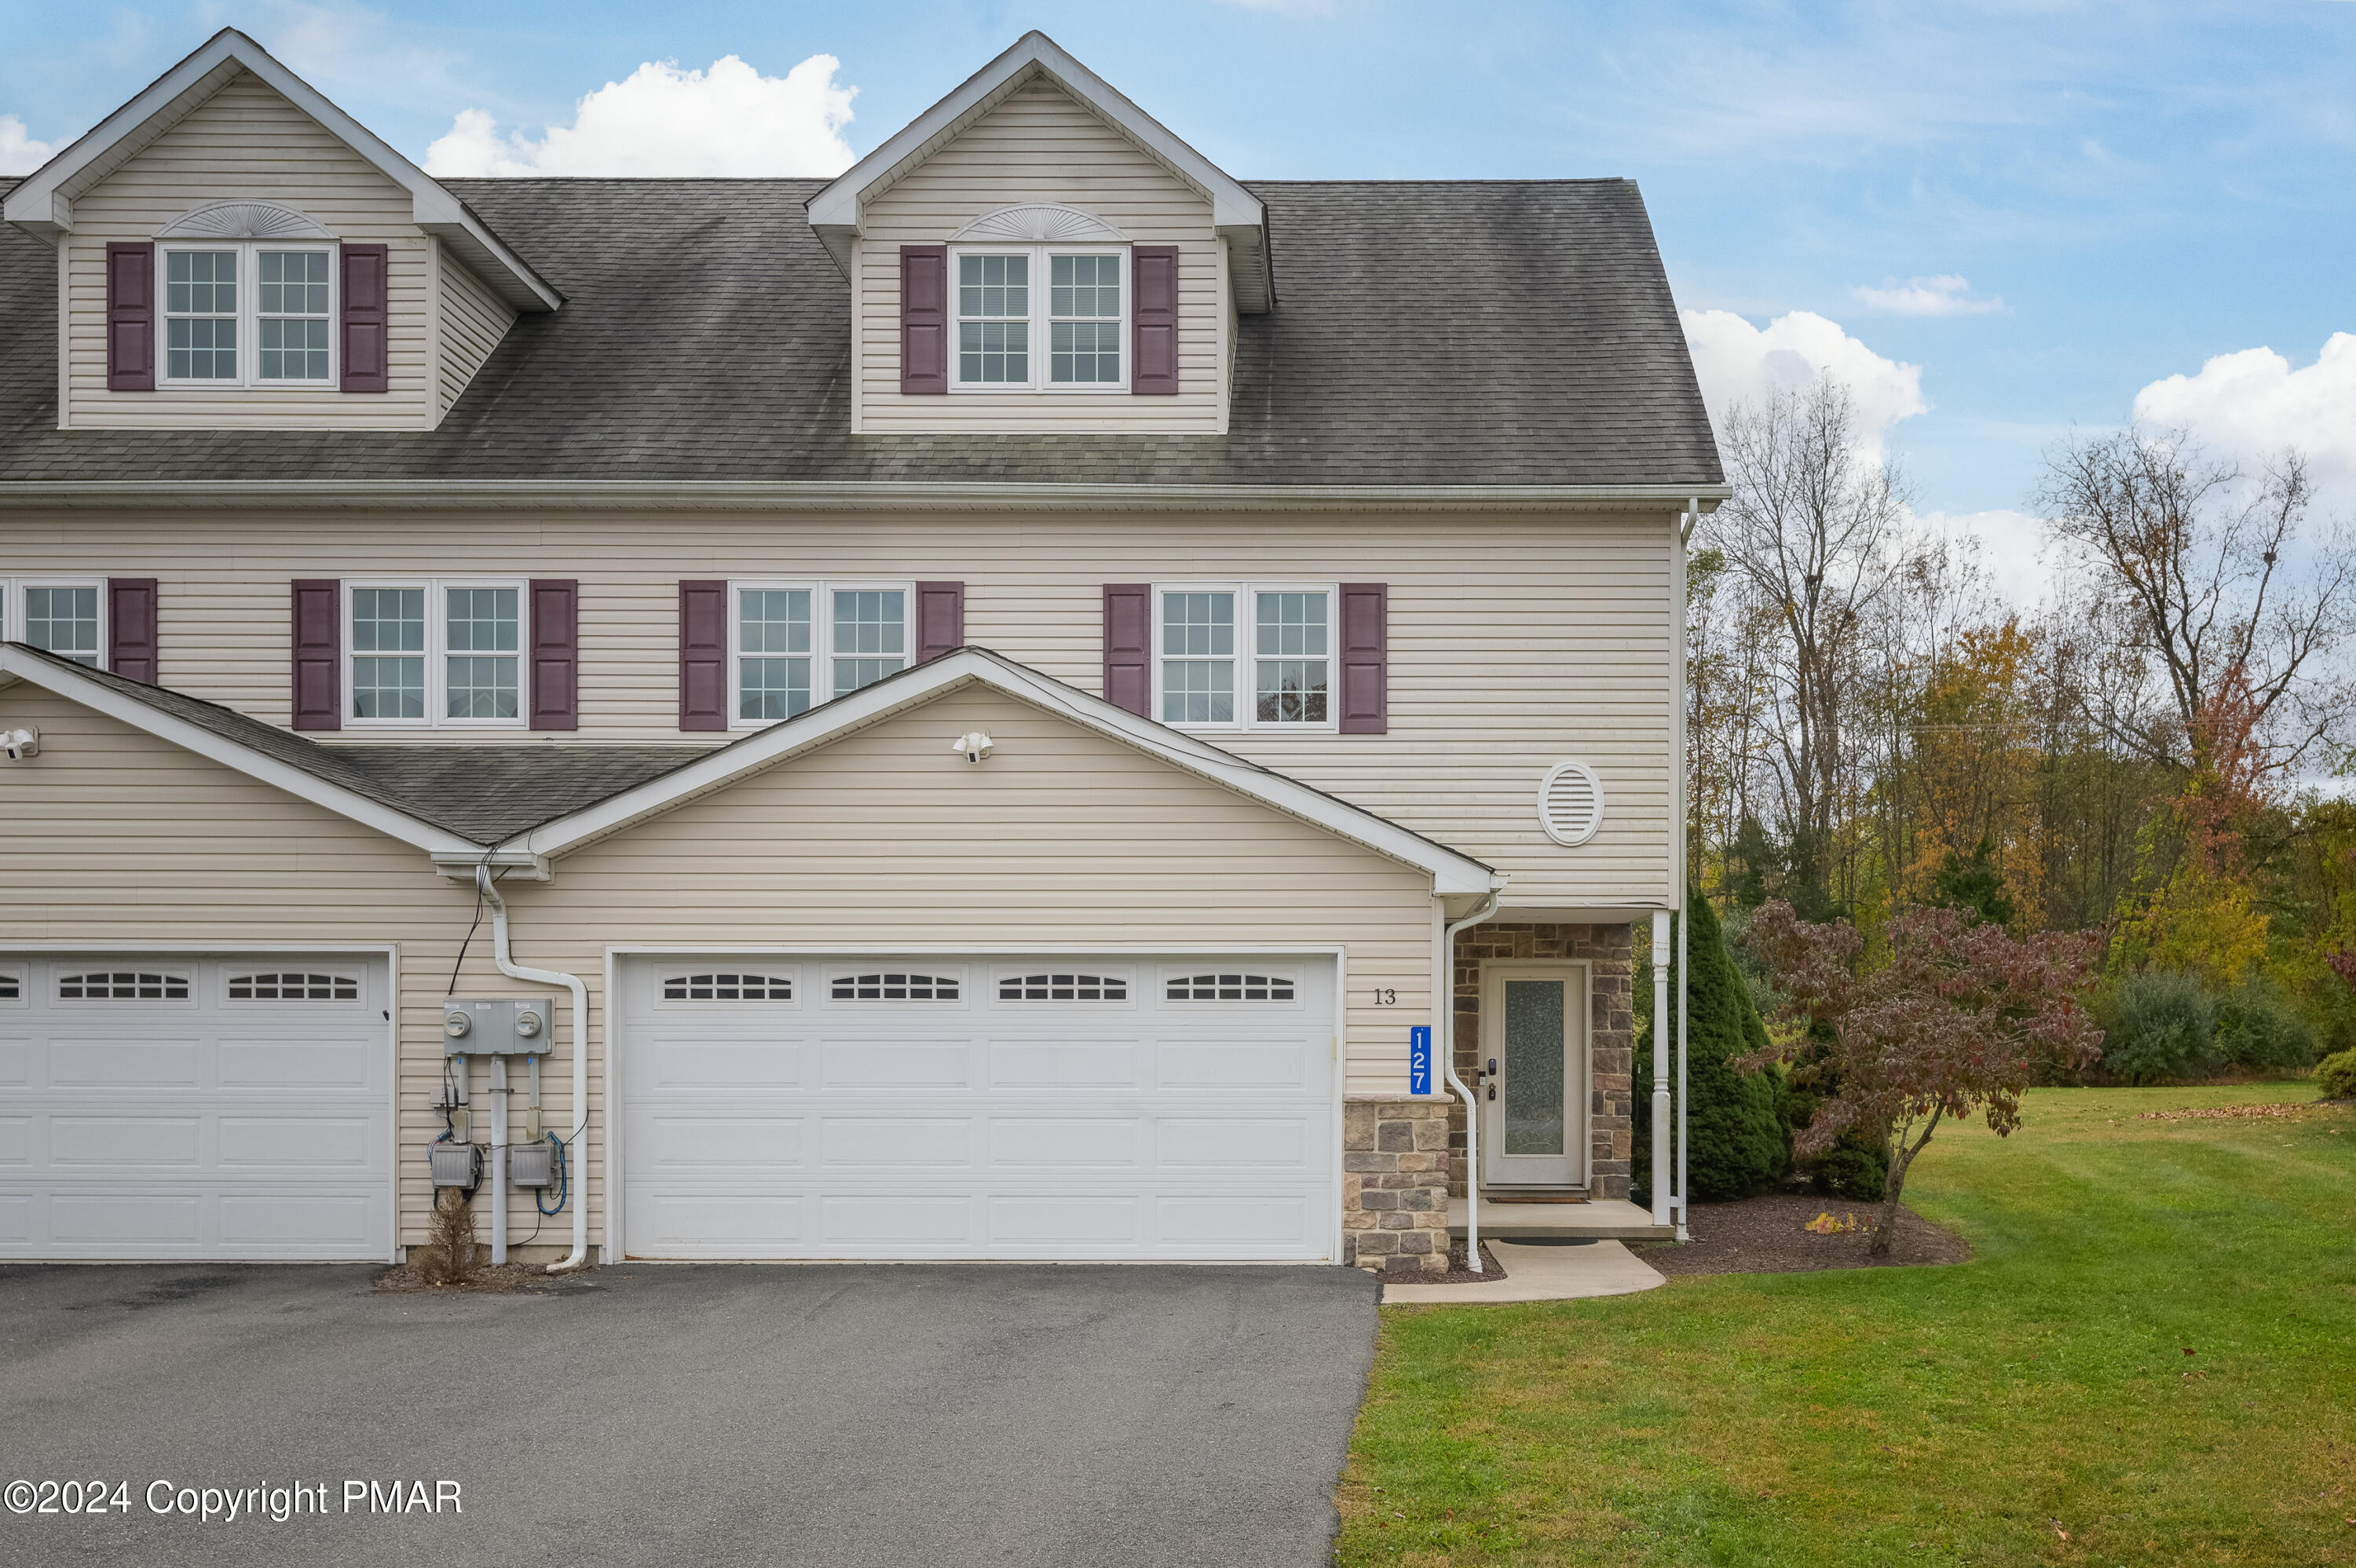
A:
[434, 653]
[66, 617]
[1040, 318]
[248, 314]
[797, 645]
[1246, 656]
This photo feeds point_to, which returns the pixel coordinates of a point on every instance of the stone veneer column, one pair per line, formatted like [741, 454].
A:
[1611, 1035]
[1395, 1185]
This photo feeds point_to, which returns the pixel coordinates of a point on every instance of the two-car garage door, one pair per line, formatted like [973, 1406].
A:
[168, 1107]
[1106, 1106]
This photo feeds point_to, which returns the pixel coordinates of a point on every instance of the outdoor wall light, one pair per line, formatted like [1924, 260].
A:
[22, 743]
[973, 743]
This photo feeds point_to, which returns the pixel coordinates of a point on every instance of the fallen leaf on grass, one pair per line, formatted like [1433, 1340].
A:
[1823, 1224]
[2057, 1530]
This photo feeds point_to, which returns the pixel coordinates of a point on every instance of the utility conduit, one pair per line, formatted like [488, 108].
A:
[515, 971]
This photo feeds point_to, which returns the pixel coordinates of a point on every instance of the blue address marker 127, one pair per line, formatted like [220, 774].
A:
[1419, 1060]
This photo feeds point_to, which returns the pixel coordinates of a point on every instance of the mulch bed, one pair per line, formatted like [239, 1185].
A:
[506, 1279]
[1460, 1270]
[1768, 1235]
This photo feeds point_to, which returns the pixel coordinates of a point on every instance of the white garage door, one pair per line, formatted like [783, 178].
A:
[979, 1107]
[163, 1106]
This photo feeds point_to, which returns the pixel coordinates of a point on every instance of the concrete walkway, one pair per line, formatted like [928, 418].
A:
[1542, 1271]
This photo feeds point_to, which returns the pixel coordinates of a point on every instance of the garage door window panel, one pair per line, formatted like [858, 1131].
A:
[123, 986]
[1063, 986]
[294, 985]
[728, 986]
[895, 986]
[12, 987]
[1229, 985]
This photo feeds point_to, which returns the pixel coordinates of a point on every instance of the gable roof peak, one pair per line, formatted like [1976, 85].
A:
[42, 202]
[836, 212]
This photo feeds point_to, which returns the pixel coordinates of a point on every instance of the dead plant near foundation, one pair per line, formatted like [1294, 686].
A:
[451, 1254]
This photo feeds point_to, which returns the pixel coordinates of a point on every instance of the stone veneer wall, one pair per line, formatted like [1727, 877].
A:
[1612, 1034]
[1395, 1185]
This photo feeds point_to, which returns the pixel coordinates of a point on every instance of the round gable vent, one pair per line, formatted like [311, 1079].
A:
[1570, 803]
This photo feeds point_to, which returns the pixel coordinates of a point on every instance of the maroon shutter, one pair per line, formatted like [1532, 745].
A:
[318, 654]
[1153, 273]
[555, 654]
[703, 656]
[924, 318]
[1128, 646]
[131, 627]
[366, 367]
[1365, 659]
[131, 318]
[941, 619]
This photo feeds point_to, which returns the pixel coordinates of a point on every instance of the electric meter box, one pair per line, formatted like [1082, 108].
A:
[455, 1165]
[532, 1164]
[500, 1026]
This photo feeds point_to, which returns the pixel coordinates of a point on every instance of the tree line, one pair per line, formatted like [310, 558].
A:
[2153, 753]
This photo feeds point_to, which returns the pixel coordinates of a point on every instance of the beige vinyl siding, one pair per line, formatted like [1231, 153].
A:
[473, 320]
[1518, 639]
[246, 142]
[117, 840]
[1040, 144]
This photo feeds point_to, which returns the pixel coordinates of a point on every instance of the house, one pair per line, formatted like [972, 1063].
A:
[968, 699]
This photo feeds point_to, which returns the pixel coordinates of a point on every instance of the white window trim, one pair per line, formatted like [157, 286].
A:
[1042, 334]
[249, 316]
[821, 634]
[1247, 659]
[13, 625]
[437, 651]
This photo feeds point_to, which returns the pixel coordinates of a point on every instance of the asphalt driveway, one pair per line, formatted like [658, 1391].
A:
[716, 1414]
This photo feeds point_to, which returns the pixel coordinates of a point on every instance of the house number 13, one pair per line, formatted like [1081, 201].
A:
[1386, 999]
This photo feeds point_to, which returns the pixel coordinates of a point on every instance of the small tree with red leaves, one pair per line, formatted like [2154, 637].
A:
[1957, 1022]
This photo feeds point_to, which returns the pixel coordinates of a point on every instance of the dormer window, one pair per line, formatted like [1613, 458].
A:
[248, 314]
[1005, 343]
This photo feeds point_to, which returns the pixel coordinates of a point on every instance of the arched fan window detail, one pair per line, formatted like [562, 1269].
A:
[728, 988]
[1054, 987]
[1231, 988]
[11, 988]
[1570, 803]
[123, 986]
[294, 986]
[895, 987]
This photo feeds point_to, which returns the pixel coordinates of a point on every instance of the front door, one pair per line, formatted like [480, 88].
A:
[1533, 1065]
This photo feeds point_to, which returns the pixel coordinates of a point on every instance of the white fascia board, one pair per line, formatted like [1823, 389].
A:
[437, 842]
[44, 201]
[1452, 872]
[837, 208]
[829, 495]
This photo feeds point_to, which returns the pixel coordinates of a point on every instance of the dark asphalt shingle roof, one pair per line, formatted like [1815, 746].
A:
[483, 792]
[1517, 332]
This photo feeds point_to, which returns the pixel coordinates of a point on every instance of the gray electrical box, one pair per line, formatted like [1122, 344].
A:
[532, 1164]
[503, 1026]
[455, 1165]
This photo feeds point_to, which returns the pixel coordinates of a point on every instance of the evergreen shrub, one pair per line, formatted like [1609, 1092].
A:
[2259, 1027]
[2159, 1026]
[2336, 1076]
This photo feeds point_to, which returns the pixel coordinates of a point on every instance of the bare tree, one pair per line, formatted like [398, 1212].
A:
[2235, 616]
[1813, 533]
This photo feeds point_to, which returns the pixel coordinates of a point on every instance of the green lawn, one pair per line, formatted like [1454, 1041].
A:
[1928, 1415]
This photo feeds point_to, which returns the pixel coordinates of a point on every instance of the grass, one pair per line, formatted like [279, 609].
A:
[1970, 1413]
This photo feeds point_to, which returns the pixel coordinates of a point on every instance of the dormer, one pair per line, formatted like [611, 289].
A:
[237, 252]
[1036, 254]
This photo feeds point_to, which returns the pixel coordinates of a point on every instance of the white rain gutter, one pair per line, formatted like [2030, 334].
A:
[1685, 872]
[515, 971]
[1446, 1002]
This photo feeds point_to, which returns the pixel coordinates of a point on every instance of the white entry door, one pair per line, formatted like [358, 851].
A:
[163, 1107]
[980, 1106]
[1534, 1066]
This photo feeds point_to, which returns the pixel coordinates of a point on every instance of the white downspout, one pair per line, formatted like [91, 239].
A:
[1661, 1201]
[1446, 1002]
[579, 1154]
[1685, 872]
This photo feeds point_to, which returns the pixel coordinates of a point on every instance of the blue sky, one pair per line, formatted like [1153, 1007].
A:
[2127, 191]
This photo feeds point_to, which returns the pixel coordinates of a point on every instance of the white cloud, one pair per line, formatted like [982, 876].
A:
[2251, 404]
[2011, 548]
[1737, 362]
[19, 154]
[1945, 294]
[661, 120]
